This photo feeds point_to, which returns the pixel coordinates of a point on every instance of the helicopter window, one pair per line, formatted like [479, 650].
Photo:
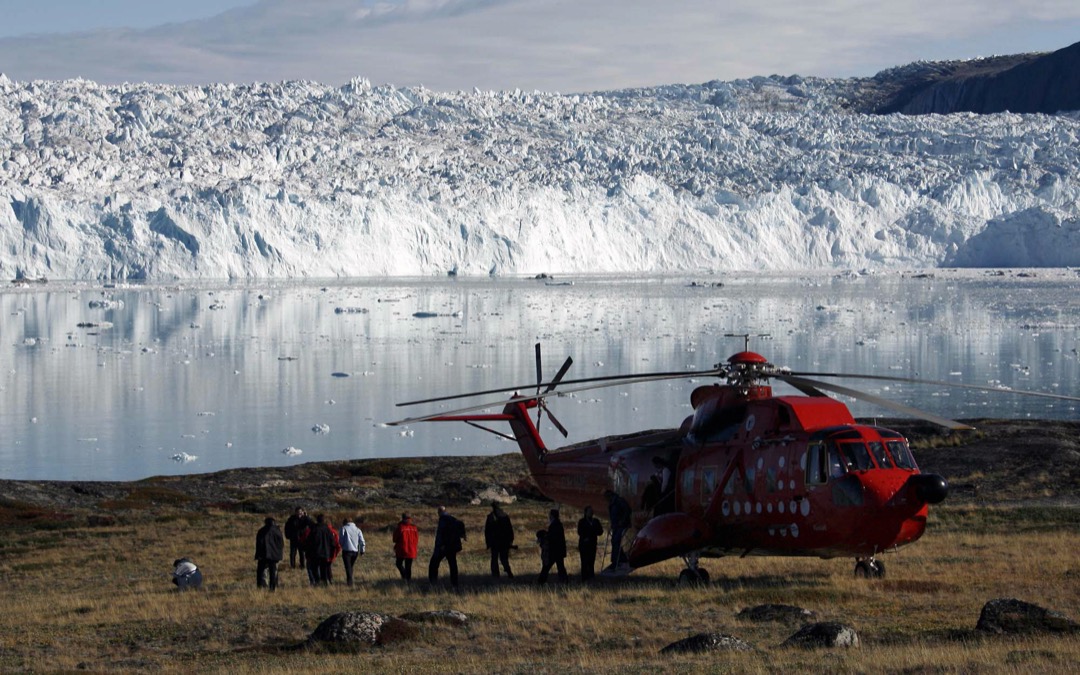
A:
[857, 457]
[770, 479]
[748, 481]
[721, 426]
[901, 454]
[882, 457]
[708, 482]
[688, 481]
[816, 473]
[729, 488]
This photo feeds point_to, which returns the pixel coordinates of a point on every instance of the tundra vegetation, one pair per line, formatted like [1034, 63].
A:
[88, 588]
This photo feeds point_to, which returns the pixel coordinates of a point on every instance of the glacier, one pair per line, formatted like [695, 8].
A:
[299, 179]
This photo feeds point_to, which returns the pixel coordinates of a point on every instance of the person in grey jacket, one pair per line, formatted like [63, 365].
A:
[352, 547]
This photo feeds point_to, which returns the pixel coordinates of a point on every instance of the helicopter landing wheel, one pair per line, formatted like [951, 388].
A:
[869, 568]
[693, 576]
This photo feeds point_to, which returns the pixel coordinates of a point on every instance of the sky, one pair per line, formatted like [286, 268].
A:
[552, 45]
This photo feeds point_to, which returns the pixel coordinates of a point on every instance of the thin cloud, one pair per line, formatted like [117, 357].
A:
[539, 44]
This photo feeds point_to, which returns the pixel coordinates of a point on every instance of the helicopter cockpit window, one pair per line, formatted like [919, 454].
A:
[856, 456]
[880, 456]
[901, 454]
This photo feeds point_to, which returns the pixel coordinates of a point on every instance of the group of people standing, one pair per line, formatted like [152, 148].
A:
[316, 544]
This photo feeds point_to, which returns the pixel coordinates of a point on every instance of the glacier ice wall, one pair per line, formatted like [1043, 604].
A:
[298, 179]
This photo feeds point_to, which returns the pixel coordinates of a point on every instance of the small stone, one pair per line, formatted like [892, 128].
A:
[789, 614]
[707, 642]
[827, 634]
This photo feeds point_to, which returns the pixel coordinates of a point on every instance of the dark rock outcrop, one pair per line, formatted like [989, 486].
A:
[1025, 83]
[1008, 615]
[358, 629]
[827, 634]
[707, 642]
[787, 614]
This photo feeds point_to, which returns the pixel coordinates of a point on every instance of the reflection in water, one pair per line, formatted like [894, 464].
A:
[234, 375]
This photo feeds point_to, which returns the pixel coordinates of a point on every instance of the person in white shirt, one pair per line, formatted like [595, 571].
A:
[352, 547]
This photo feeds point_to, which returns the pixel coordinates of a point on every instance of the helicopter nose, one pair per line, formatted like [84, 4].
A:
[929, 488]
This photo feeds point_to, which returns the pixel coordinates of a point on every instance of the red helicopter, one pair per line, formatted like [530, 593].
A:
[748, 473]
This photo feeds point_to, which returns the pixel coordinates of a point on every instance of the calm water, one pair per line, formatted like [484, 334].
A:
[194, 379]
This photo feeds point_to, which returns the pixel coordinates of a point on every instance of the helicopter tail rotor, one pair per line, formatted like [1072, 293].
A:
[541, 405]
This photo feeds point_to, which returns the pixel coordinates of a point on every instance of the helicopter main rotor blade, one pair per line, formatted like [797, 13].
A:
[798, 382]
[627, 379]
[619, 381]
[940, 383]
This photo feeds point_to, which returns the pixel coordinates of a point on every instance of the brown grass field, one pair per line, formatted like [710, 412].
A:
[80, 598]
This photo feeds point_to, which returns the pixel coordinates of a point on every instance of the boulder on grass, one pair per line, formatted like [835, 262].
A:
[359, 629]
[707, 642]
[788, 614]
[827, 634]
[1008, 615]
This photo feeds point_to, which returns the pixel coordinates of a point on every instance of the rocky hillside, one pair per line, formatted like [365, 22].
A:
[1024, 83]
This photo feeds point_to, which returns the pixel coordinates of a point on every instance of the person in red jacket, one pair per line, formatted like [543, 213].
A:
[406, 541]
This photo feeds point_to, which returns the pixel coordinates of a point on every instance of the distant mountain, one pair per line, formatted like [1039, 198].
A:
[1025, 83]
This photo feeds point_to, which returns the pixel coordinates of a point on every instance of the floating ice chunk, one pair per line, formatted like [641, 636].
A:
[350, 310]
[321, 429]
[106, 304]
[205, 413]
[184, 458]
[339, 374]
[407, 433]
[291, 451]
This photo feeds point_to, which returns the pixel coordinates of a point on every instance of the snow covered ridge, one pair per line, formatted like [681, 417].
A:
[299, 179]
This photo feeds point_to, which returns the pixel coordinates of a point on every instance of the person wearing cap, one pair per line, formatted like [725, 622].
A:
[406, 541]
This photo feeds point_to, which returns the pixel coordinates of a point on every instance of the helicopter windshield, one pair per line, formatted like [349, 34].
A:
[901, 454]
[880, 456]
[855, 455]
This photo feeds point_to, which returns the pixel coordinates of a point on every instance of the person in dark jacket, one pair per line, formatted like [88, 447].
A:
[269, 550]
[499, 537]
[556, 549]
[619, 513]
[589, 530]
[295, 526]
[322, 547]
[449, 534]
